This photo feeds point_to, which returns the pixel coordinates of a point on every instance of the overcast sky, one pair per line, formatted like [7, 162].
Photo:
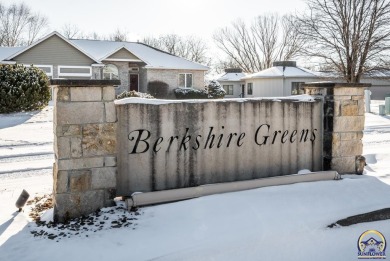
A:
[152, 17]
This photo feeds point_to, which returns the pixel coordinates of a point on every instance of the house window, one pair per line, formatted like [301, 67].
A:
[296, 88]
[228, 89]
[48, 69]
[110, 72]
[185, 80]
[74, 71]
[249, 88]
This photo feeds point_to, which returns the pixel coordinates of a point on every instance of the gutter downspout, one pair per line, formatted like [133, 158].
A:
[150, 198]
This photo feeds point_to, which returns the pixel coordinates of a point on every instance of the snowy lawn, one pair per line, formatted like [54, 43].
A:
[274, 223]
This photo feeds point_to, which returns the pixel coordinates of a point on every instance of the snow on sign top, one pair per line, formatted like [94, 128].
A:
[281, 71]
[133, 100]
[154, 58]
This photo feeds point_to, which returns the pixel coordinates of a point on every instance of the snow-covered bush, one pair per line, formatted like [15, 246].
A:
[189, 93]
[23, 88]
[158, 89]
[134, 94]
[215, 90]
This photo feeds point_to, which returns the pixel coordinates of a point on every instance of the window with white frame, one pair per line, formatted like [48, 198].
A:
[228, 89]
[185, 80]
[48, 69]
[296, 88]
[65, 71]
[110, 72]
[249, 88]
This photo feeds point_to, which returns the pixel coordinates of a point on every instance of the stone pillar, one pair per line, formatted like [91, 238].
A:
[85, 125]
[343, 123]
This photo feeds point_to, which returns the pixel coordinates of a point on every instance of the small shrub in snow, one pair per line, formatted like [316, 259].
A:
[158, 89]
[215, 90]
[189, 93]
[134, 94]
[23, 88]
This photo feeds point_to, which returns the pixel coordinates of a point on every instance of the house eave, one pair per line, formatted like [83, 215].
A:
[221, 80]
[121, 60]
[7, 62]
[47, 37]
[97, 65]
[173, 68]
[279, 77]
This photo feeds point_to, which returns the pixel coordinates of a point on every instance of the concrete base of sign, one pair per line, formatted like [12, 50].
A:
[157, 197]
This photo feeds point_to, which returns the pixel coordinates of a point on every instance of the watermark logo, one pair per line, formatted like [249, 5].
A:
[371, 245]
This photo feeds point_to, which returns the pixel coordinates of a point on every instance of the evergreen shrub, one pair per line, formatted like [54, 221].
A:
[189, 93]
[158, 89]
[23, 88]
[213, 91]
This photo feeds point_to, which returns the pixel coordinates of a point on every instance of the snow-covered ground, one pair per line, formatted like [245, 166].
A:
[274, 223]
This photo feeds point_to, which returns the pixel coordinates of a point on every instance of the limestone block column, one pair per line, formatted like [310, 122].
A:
[343, 123]
[85, 125]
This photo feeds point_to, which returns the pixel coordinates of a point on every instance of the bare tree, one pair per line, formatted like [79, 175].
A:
[256, 46]
[172, 43]
[351, 36]
[18, 25]
[153, 41]
[190, 47]
[71, 31]
[196, 50]
[220, 65]
[94, 36]
[36, 27]
[118, 36]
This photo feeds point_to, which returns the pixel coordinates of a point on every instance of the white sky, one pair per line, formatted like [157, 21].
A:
[152, 17]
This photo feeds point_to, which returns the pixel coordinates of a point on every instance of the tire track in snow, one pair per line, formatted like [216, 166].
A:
[26, 163]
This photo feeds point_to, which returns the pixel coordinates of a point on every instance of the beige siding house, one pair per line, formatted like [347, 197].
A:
[134, 64]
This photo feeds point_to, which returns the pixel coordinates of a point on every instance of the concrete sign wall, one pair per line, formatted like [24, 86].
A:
[105, 149]
[175, 144]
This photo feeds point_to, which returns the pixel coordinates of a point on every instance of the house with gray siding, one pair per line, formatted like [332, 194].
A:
[134, 64]
[232, 83]
[282, 79]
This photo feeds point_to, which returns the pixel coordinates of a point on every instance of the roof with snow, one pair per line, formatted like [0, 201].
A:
[99, 50]
[5, 52]
[231, 77]
[283, 71]
[153, 57]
